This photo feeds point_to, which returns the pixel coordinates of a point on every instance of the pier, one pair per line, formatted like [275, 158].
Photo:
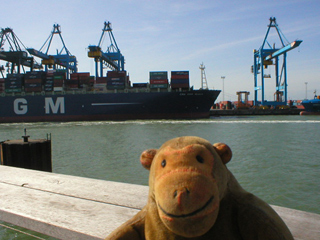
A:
[254, 111]
[70, 207]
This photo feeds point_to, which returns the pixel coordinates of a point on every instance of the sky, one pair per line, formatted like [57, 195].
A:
[180, 35]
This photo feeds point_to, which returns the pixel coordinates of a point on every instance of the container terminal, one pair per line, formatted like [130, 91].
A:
[54, 90]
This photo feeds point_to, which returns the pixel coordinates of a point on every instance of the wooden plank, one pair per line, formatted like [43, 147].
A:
[123, 194]
[69, 207]
[66, 207]
[60, 216]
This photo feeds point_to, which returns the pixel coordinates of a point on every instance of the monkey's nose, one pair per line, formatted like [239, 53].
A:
[182, 191]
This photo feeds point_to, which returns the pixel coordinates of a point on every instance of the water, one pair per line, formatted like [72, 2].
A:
[274, 157]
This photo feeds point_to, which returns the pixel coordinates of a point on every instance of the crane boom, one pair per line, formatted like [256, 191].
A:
[112, 57]
[37, 53]
[63, 59]
[16, 54]
[284, 50]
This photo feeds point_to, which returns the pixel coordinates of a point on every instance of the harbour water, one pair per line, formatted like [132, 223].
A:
[275, 157]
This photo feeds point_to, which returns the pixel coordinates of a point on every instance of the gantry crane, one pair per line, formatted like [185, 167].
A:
[63, 58]
[111, 58]
[16, 56]
[269, 55]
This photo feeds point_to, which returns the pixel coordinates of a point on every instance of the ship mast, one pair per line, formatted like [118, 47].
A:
[204, 84]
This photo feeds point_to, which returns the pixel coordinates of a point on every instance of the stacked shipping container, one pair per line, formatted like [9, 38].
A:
[100, 84]
[117, 80]
[159, 79]
[58, 81]
[39, 81]
[79, 80]
[113, 80]
[73, 82]
[180, 79]
[85, 80]
[13, 83]
[33, 81]
[48, 84]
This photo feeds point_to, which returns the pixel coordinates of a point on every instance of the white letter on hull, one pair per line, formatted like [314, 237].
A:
[20, 106]
[54, 106]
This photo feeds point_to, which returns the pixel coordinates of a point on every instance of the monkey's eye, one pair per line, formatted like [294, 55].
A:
[163, 163]
[199, 159]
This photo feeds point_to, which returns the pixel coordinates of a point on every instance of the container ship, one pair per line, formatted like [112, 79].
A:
[39, 96]
[312, 107]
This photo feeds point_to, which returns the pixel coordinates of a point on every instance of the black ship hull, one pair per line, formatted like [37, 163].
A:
[82, 106]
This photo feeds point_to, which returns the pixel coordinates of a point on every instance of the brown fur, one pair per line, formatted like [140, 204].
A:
[192, 195]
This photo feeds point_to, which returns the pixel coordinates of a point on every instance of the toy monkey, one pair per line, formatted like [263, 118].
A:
[193, 195]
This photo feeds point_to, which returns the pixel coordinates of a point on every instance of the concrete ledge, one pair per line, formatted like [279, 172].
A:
[68, 207]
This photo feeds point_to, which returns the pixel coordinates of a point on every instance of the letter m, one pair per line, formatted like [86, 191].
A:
[50, 106]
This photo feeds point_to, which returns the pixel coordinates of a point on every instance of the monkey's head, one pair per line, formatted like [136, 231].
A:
[188, 178]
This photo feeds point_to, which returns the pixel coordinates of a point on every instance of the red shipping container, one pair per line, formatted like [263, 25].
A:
[84, 78]
[73, 77]
[73, 86]
[83, 74]
[101, 80]
[58, 83]
[35, 80]
[158, 81]
[33, 89]
[116, 73]
[179, 76]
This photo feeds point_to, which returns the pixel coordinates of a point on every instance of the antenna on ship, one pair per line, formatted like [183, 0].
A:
[204, 84]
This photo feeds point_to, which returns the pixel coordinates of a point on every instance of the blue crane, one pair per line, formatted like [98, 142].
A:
[112, 57]
[63, 58]
[268, 55]
[16, 54]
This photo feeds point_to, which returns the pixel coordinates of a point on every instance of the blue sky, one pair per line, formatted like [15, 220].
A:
[180, 35]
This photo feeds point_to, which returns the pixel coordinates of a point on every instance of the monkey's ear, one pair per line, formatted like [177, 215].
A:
[146, 158]
[224, 152]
